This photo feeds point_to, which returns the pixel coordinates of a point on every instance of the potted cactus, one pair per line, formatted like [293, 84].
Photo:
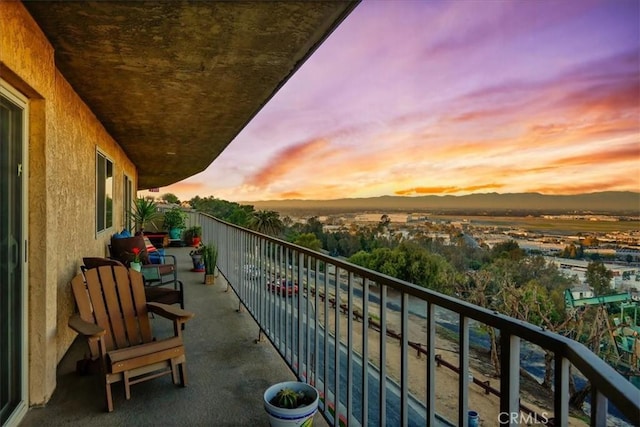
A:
[291, 403]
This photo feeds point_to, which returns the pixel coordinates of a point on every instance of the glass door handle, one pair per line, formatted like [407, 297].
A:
[14, 250]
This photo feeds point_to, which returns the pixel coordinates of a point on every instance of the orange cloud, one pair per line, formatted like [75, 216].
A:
[285, 161]
[290, 195]
[425, 190]
[626, 153]
[446, 190]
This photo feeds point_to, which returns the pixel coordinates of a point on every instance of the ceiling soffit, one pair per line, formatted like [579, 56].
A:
[174, 82]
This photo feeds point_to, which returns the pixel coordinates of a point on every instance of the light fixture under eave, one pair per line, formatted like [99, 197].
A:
[171, 153]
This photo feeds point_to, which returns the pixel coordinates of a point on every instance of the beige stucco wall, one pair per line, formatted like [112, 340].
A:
[63, 138]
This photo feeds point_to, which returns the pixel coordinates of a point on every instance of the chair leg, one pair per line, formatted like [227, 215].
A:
[174, 371]
[108, 396]
[183, 374]
[127, 386]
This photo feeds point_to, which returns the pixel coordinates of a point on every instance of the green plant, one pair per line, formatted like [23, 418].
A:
[175, 218]
[194, 231]
[197, 250]
[144, 212]
[209, 258]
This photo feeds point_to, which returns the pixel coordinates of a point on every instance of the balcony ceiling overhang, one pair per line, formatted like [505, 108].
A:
[174, 82]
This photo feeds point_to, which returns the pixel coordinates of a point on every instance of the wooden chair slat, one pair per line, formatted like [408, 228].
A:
[114, 308]
[94, 287]
[85, 309]
[129, 311]
[140, 302]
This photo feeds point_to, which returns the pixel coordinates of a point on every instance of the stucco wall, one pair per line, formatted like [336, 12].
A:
[63, 138]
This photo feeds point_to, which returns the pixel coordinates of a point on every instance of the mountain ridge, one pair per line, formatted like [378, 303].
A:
[620, 202]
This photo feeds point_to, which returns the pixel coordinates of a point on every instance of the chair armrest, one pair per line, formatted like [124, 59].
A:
[172, 257]
[164, 258]
[151, 272]
[85, 328]
[169, 311]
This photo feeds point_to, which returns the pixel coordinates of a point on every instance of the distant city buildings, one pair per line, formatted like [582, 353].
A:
[618, 249]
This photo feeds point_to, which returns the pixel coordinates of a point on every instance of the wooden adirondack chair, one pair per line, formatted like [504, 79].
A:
[113, 314]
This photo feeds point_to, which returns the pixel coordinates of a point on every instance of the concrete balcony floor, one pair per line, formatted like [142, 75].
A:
[227, 372]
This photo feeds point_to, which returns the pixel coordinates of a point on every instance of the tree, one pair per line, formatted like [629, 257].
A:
[314, 226]
[309, 240]
[266, 222]
[228, 211]
[240, 215]
[170, 198]
[599, 278]
[508, 249]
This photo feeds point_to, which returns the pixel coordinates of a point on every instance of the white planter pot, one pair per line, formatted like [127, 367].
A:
[282, 417]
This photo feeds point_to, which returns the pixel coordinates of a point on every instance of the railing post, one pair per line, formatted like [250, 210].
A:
[404, 362]
[365, 352]
[383, 356]
[337, 345]
[561, 391]
[598, 407]
[509, 378]
[325, 375]
[349, 341]
[463, 375]
[431, 368]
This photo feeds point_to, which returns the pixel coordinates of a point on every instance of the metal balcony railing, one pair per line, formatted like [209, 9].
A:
[315, 309]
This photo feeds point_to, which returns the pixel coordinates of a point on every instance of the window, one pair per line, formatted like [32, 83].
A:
[127, 198]
[104, 192]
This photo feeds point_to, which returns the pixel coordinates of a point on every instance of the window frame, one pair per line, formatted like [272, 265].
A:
[104, 203]
[127, 202]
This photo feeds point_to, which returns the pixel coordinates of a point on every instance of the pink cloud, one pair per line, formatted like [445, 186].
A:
[286, 160]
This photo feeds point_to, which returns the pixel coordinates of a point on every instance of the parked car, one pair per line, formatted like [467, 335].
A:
[251, 271]
[283, 287]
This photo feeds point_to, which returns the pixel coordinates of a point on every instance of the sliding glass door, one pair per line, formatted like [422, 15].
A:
[12, 295]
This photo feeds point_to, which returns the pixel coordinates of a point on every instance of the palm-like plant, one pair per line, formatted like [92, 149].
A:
[209, 258]
[144, 212]
[266, 222]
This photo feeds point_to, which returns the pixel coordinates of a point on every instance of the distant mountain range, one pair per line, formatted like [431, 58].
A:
[614, 202]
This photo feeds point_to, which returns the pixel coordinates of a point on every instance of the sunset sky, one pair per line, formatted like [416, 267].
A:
[449, 97]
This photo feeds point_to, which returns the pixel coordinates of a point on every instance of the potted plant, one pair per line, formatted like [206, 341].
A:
[193, 234]
[144, 212]
[209, 258]
[291, 403]
[175, 220]
[196, 258]
[135, 263]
